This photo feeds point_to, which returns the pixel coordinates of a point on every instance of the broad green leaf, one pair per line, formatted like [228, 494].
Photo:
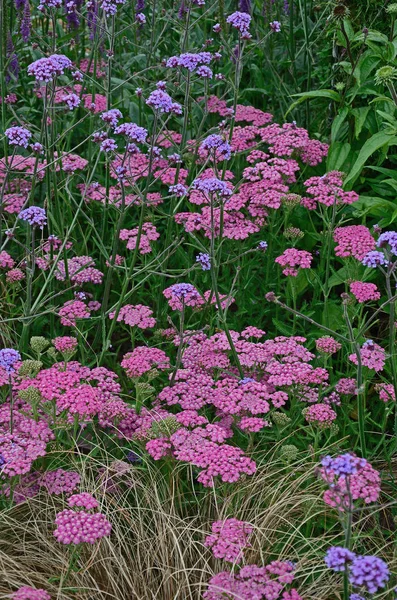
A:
[337, 155]
[376, 142]
[360, 116]
[330, 94]
[338, 122]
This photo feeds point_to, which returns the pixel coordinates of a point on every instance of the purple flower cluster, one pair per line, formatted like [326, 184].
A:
[162, 102]
[189, 60]
[18, 136]
[240, 21]
[217, 144]
[337, 558]
[110, 7]
[368, 572]
[343, 465]
[112, 116]
[374, 259]
[212, 185]
[72, 100]
[47, 68]
[34, 215]
[388, 238]
[133, 132]
[204, 260]
[8, 358]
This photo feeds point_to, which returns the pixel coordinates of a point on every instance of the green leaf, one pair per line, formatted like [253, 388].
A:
[360, 116]
[330, 94]
[337, 155]
[374, 143]
[338, 122]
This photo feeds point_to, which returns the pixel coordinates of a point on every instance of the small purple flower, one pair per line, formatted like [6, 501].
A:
[47, 68]
[216, 28]
[161, 85]
[25, 22]
[337, 558]
[108, 145]
[204, 260]
[178, 189]
[181, 290]
[388, 238]
[370, 572]
[162, 102]
[212, 185]
[275, 26]
[343, 465]
[34, 215]
[49, 4]
[133, 132]
[262, 245]
[18, 136]
[246, 380]
[140, 18]
[218, 144]
[133, 457]
[240, 21]
[72, 100]
[374, 259]
[204, 72]
[356, 597]
[112, 116]
[109, 7]
[37, 148]
[189, 60]
[8, 358]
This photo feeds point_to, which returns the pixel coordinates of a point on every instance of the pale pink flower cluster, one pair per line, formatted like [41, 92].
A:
[328, 345]
[372, 356]
[80, 271]
[292, 260]
[228, 539]
[73, 310]
[6, 262]
[137, 315]
[254, 583]
[364, 292]
[149, 234]
[65, 344]
[386, 392]
[327, 190]
[60, 481]
[349, 478]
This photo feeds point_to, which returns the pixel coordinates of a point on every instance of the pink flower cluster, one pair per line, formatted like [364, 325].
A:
[65, 344]
[372, 356]
[228, 539]
[292, 260]
[327, 190]
[29, 593]
[364, 292]
[149, 234]
[353, 240]
[142, 359]
[328, 345]
[320, 414]
[254, 583]
[135, 316]
[83, 500]
[81, 527]
[349, 478]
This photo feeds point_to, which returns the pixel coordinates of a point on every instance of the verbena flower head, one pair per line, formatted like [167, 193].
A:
[374, 259]
[8, 358]
[34, 215]
[162, 102]
[369, 572]
[388, 239]
[218, 146]
[275, 26]
[212, 185]
[204, 260]
[112, 116]
[18, 136]
[338, 557]
[133, 132]
[110, 7]
[240, 21]
[46, 69]
[190, 61]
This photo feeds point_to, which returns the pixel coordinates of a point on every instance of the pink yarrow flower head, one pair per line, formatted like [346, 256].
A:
[372, 356]
[349, 478]
[292, 260]
[320, 414]
[364, 292]
[328, 345]
[228, 539]
[181, 295]
[81, 527]
[353, 240]
[135, 316]
[83, 500]
[65, 344]
[143, 359]
[60, 481]
[18, 136]
[29, 593]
